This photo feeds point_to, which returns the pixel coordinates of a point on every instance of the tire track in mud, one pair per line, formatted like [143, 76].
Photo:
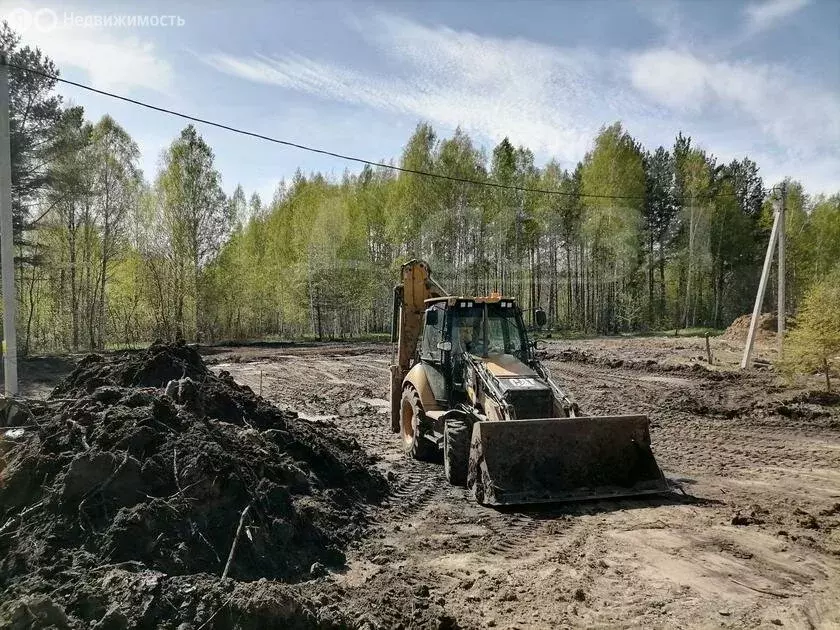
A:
[413, 491]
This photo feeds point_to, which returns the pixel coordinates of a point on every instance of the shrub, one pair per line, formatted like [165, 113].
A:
[814, 345]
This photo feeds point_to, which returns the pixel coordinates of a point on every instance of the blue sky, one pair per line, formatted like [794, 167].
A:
[758, 78]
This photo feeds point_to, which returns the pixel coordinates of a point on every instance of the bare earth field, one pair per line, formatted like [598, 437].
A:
[749, 538]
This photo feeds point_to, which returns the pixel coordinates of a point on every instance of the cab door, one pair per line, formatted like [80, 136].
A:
[431, 353]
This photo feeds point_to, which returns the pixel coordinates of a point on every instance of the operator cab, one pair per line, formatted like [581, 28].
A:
[489, 328]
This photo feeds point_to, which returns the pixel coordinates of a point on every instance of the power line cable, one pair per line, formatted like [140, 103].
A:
[341, 156]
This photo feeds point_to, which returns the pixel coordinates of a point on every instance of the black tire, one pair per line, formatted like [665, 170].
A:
[456, 451]
[414, 426]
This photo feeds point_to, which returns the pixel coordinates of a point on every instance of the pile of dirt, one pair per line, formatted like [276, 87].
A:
[737, 331]
[153, 367]
[146, 475]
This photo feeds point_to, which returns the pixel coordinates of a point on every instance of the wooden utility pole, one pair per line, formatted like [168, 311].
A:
[762, 285]
[7, 248]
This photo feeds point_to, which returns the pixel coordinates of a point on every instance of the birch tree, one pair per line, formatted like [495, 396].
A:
[195, 219]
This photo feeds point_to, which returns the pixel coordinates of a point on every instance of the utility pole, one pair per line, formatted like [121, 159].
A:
[762, 285]
[780, 317]
[7, 248]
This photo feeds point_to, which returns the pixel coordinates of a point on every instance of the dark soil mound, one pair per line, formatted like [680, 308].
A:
[153, 367]
[118, 474]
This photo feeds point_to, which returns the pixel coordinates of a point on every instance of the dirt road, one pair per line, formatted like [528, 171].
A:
[754, 542]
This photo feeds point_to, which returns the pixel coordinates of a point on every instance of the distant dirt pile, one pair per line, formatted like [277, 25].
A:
[737, 331]
[140, 475]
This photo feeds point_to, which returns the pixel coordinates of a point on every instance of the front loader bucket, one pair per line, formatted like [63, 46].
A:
[562, 459]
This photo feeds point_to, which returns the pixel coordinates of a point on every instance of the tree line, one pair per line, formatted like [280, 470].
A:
[635, 238]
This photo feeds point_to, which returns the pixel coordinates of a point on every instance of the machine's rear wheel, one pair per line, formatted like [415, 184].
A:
[456, 451]
[414, 426]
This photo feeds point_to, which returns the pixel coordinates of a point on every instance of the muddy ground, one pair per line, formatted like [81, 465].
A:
[754, 542]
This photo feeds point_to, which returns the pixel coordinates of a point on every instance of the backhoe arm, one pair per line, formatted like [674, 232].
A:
[416, 286]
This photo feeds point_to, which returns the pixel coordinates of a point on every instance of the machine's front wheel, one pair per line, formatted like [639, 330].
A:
[456, 451]
[414, 426]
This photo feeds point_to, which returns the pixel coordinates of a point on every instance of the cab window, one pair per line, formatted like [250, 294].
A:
[503, 332]
[432, 334]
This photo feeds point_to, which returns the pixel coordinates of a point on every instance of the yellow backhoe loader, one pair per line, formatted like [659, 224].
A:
[465, 380]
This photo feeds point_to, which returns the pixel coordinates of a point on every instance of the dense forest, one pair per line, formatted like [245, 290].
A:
[630, 239]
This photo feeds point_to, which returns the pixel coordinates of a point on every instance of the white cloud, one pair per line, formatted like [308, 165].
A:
[670, 77]
[818, 175]
[545, 97]
[763, 15]
[113, 59]
[796, 115]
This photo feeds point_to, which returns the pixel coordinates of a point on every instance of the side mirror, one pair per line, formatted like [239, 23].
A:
[432, 316]
[540, 317]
